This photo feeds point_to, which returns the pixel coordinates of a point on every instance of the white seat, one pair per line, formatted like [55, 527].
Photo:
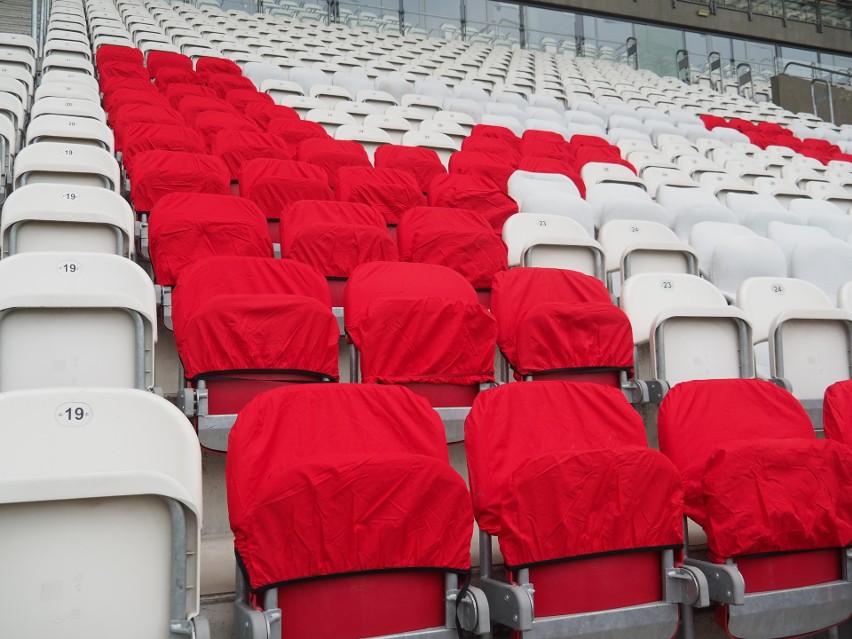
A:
[638, 246]
[381, 99]
[826, 263]
[442, 144]
[56, 217]
[558, 201]
[735, 259]
[72, 319]
[395, 126]
[369, 137]
[67, 107]
[525, 183]
[331, 95]
[837, 224]
[330, 120]
[808, 339]
[69, 77]
[788, 236]
[462, 119]
[72, 130]
[552, 241]
[829, 192]
[100, 499]
[687, 327]
[74, 164]
[71, 90]
[22, 76]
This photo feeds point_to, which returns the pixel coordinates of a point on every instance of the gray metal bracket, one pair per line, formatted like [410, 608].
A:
[142, 234]
[686, 585]
[509, 605]
[650, 391]
[181, 628]
[255, 624]
[163, 296]
[473, 611]
[725, 584]
[201, 628]
[185, 401]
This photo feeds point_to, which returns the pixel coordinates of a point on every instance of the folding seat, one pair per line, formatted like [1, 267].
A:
[334, 238]
[404, 506]
[524, 480]
[71, 164]
[147, 136]
[272, 184]
[191, 106]
[263, 114]
[388, 191]
[484, 164]
[833, 221]
[806, 337]
[87, 475]
[157, 60]
[393, 311]
[211, 123]
[75, 319]
[208, 66]
[128, 114]
[553, 241]
[423, 163]
[829, 192]
[293, 131]
[684, 329]
[472, 192]
[788, 236]
[464, 120]
[836, 413]
[459, 239]
[639, 246]
[186, 227]
[244, 325]
[157, 173]
[332, 155]
[70, 129]
[56, 217]
[747, 456]
[369, 137]
[827, 263]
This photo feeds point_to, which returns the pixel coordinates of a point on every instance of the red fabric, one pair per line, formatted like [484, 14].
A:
[259, 333]
[329, 479]
[473, 192]
[563, 469]
[209, 123]
[128, 114]
[113, 52]
[547, 149]
[241, 98]
[185, 227]
[115, 99]
[578, 141]
[263, 113]
[176, 91]
[533, 136]
[164, 59]
[192, 105]
[294, 131]
[158, 173]
[121, 69]
[224, 83]
[497, 168]
[551, 319]
[418, 323]
[499, 132]
[399, 280]
[423, 164]
[502, 151]
[111, 85]
[238, 147]
[208, 66]
[272, 184]
[389, 191]
[146, 136]
[748, 456]
[712, 121]
[306, 213]
[174, 75]
[456, 238]
[332, 155]
[837, 412]
[210, 277]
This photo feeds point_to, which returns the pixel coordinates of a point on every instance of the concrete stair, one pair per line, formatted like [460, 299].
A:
[16, 16]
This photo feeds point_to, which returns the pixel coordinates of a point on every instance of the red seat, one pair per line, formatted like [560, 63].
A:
[346, 467]
[241, 98]
[295, 131]
[175, 75]
[158, 60]
[176, 91]
[272, 184]
[560, 322]
[136, 94]
[210, 123]
[224, 83]
[498, 132]
[502, 150]
[332, 155]
[459, 239]
[185, 227]
[551, 165]
[128, 114]
[389, 191]
[158, 173]
[147, 136]
[235, 148]
[205, 67]
[771, 497]
[190, 106]
[562, 474]
[491, 166]
[111, 52]
[423, 164]
[837, 412]
[119, 69]
[474, 192]
[264, 113]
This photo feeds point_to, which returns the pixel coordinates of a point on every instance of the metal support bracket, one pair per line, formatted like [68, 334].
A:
[181, 628]
[651, 391]
[185, 401]
[509, 605]
[725, 584]
[686, 585]
[473, 610]
[142, 234]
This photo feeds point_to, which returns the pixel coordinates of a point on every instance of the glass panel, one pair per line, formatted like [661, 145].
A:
[657, 48]
[791, 54]
[550, 30]
[493, 22]
[439, 18]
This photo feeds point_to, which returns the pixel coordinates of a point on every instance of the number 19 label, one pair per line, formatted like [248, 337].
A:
[74, 414]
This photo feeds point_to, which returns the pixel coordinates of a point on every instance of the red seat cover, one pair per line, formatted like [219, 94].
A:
[473, 192]
[388, 191]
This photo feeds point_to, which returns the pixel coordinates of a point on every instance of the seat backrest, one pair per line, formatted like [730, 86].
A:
[72, 319]
[656, 246]
[762, 299]
[826, 263]
[66, 163]
[86, 477]
[788, 236]
[555, 235]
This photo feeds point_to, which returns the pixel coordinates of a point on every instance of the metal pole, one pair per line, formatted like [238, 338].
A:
[35, 26]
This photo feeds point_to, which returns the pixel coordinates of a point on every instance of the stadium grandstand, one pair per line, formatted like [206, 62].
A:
[401, 319]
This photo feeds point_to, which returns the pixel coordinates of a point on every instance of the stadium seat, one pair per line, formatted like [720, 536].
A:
[393, 313]
[575, 501]
[71, 164]
[747, 456]
[56, 217]
[244, 325]
[158, 173]
[391, 192]
[423, 163]
[101, 504]
[808, 338]
[472, 192]
[684, 329]
[75, 319]
[350, 466]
